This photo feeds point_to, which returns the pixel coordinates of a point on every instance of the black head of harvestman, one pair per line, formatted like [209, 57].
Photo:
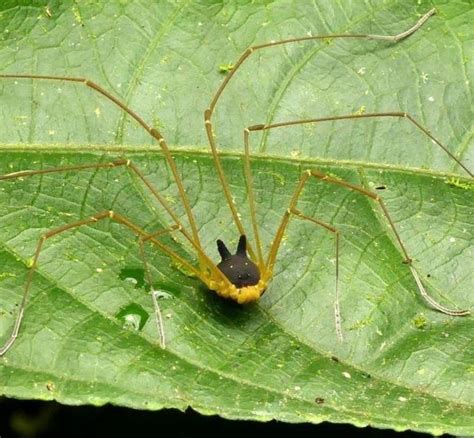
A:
[238, 268]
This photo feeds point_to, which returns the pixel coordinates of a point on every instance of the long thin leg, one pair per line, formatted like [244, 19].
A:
[54, 232]
[397, 114]
[158, 317]
[204, 261]
[335, 231]
[152, 131]
[253, 49]
[262, 127]
[210, 111]
[358, 189]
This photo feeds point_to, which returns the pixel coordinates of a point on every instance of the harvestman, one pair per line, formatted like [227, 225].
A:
[244, 276]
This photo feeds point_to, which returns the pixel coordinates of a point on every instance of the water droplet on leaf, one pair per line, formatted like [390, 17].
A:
[133, 316]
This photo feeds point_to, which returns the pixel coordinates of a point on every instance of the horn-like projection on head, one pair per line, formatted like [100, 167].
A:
[238, 268]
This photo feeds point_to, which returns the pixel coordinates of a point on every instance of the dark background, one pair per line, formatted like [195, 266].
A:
[28, 419]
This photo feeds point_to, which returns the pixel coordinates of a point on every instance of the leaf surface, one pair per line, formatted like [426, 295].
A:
[89, 334]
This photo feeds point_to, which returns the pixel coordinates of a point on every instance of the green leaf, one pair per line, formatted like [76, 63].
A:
[89, 333]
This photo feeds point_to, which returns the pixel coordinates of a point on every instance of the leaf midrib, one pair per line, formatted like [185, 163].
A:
[185, 152]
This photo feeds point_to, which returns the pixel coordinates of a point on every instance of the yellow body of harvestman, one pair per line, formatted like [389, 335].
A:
[240, 277]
